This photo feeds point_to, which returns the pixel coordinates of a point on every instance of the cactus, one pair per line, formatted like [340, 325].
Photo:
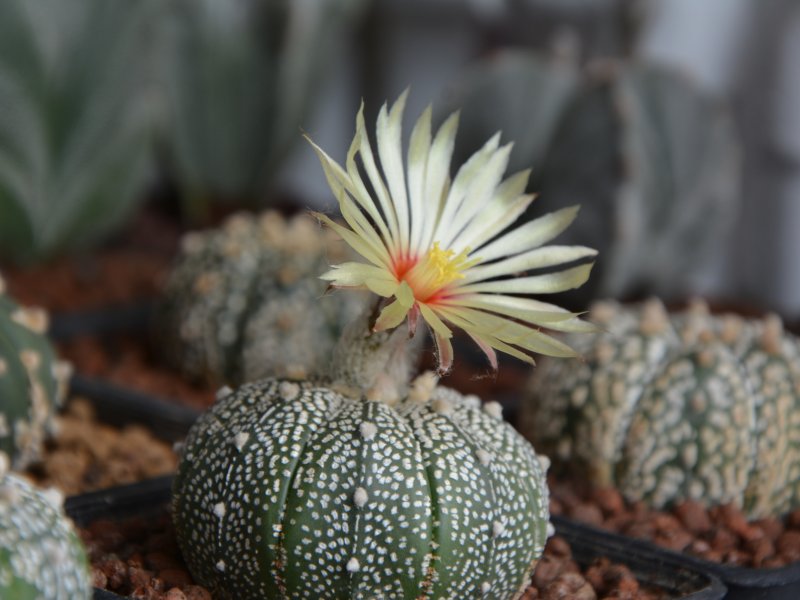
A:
[242, 301]
[654, 164]
[238, 79]
[358, 483]
[33, 382]
[522, 94]
[74, 141]
[691, 406]
[40, 554]
[431, 497]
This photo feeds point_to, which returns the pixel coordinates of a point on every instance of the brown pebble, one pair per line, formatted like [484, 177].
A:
[793, 519]
[609, 500]
[569, 586]
[558, 546]
[694, 516]
[770, 526]
[175, 577]
[547, 569]
[723, 540]
[116, 572]
[677, 539]
[140, 578]
[99, 578]
[788, 545]
[760, 550]
[588, 513]
[174, 594]
[158, 561]
[195, 592]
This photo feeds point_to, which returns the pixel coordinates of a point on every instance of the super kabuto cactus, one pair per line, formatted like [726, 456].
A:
[359, 484]
[242, 301]
[673, 407]
[33, 382]
[40, 553]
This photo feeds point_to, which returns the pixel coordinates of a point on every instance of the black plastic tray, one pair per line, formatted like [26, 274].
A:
[651, 566]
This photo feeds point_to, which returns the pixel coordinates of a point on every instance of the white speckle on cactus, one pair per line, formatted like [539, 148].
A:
[219, 510]
[54, 496]
[220, 565]
[223, 392]
[494, 409]
[240, 439]
[773, 334]
[368, 430]
[442, 406]
[498, 528]
[288, 390]
[423, 386]
[544, 462]
[360, 497]
[483, 456]
[551, 531]
[485, 587]
[353, 565]
[31, 359]
[5, 463]
[178, 447]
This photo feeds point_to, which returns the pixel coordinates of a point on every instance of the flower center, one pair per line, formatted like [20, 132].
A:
[435, 271]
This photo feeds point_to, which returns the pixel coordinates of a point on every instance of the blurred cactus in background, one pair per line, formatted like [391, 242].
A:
[654, 164]
[74, 124]
[239, 78]
[652, 161]
[521, 93]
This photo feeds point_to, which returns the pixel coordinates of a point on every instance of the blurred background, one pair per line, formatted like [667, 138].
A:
[673, 124]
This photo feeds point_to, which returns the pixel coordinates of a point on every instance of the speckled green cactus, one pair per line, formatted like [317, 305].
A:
[40, 553]
[32, 381]
[244, 302]
[667, 408]
[359, 484]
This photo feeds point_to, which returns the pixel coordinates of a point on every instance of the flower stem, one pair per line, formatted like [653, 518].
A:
[377, 366]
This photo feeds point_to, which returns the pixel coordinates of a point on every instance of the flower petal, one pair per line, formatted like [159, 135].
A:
[549, 283]
[539, 258]
[391, 316]
[390, 151]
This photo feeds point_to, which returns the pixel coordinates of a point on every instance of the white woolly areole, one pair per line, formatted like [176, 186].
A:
[219, 509]
[178, 447]
[54, 497]
[288, 390]
[493, 409]
[485, 587]
[360, 497]
[483, 456]
[223, 392]
[498, 528]
[240, 439]
[353, 565]
[442, 406]
[220, 566]
[544, 462]
[368, 430]
[551, 531]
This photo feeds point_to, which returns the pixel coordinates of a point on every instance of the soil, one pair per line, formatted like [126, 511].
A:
[720, 534]
[139, 558]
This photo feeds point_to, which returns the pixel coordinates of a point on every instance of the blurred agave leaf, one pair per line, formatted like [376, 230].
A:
[239, 76]
[74, 121]
[521, 93]
[654, 165]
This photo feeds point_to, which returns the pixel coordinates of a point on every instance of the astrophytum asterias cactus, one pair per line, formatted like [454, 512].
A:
[668, 408]
[41, 556]
[32, 381]
[243, 301]
[359, 485]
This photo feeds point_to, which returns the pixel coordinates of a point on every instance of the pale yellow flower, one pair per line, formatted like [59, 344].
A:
[438, 248]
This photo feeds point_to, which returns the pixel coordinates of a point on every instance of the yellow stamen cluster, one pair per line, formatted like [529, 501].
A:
[437, 269]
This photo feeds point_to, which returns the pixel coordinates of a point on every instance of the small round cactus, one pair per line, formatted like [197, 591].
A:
[238, 303]
[292, 489]
[40, 553]
[33, 382]
[673, 407]
[358, 483]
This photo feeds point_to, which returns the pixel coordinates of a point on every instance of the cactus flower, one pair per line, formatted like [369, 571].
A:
[443, 249]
